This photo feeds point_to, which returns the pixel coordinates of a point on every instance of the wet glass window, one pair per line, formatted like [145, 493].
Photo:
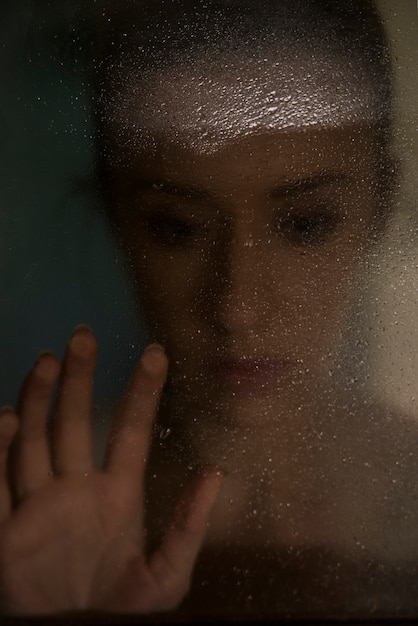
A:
[208, 347]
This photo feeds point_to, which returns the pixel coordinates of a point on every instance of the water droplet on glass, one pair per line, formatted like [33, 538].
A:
[164, 433]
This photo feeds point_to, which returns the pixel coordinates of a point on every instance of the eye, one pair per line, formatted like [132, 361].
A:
[171, 230]
[308, 228]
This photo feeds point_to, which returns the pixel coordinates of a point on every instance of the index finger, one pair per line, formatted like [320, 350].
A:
[131, 433]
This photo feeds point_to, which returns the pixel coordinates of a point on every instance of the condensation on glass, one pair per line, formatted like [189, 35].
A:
[235, 181]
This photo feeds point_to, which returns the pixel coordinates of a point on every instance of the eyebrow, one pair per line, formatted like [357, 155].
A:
[192, 192]
[174, 189]
[309, 183]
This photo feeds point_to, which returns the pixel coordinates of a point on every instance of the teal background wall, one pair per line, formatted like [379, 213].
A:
[58, 267]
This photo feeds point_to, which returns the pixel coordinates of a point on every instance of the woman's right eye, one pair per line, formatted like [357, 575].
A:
[309, 229]
[171, 230]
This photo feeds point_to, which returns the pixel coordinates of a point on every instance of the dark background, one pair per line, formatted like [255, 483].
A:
[58, 267]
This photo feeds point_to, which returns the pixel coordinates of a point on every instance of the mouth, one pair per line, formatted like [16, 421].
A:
[249, 375]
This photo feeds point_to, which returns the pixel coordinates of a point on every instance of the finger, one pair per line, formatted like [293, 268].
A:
[71, 437]
[173, 564]
[9, 425]
[131, 435]
[31, 458]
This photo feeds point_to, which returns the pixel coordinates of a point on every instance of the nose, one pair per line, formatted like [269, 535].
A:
[243, 272]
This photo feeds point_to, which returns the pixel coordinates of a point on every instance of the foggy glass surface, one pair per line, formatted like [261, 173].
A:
[229, 197]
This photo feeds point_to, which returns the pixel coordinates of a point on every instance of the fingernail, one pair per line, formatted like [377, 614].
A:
[6, 409]
[154, 346]
[82, 327]
[216, 470]
[78, 340]
[43, 353]
[151, 359]
[46, 368]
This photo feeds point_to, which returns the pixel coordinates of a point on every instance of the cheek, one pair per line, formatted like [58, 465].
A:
[304, 294]
[167, 285]
[321, 297]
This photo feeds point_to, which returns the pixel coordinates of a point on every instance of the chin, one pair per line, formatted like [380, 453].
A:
[235, 432]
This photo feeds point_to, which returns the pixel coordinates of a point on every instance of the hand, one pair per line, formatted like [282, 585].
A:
[71, 535]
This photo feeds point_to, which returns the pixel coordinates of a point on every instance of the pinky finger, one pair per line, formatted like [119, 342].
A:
[9, 425]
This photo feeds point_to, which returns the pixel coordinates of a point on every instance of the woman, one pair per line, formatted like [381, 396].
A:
[245, 165]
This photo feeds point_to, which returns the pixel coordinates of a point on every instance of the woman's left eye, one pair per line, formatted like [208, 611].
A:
[308, 228]
[172, 231]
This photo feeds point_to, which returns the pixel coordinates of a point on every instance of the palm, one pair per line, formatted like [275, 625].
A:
[72, 536]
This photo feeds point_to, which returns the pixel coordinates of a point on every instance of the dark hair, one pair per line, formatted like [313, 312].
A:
[157, 32]
[107, 35]
[134, 36]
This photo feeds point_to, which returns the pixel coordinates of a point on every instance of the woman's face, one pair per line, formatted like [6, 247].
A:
[245, 223]
[244, 259]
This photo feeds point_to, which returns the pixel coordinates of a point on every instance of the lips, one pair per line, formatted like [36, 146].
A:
[243, 375]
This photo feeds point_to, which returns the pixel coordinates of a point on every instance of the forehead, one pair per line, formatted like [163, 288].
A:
[253, 166]
[206, 103]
